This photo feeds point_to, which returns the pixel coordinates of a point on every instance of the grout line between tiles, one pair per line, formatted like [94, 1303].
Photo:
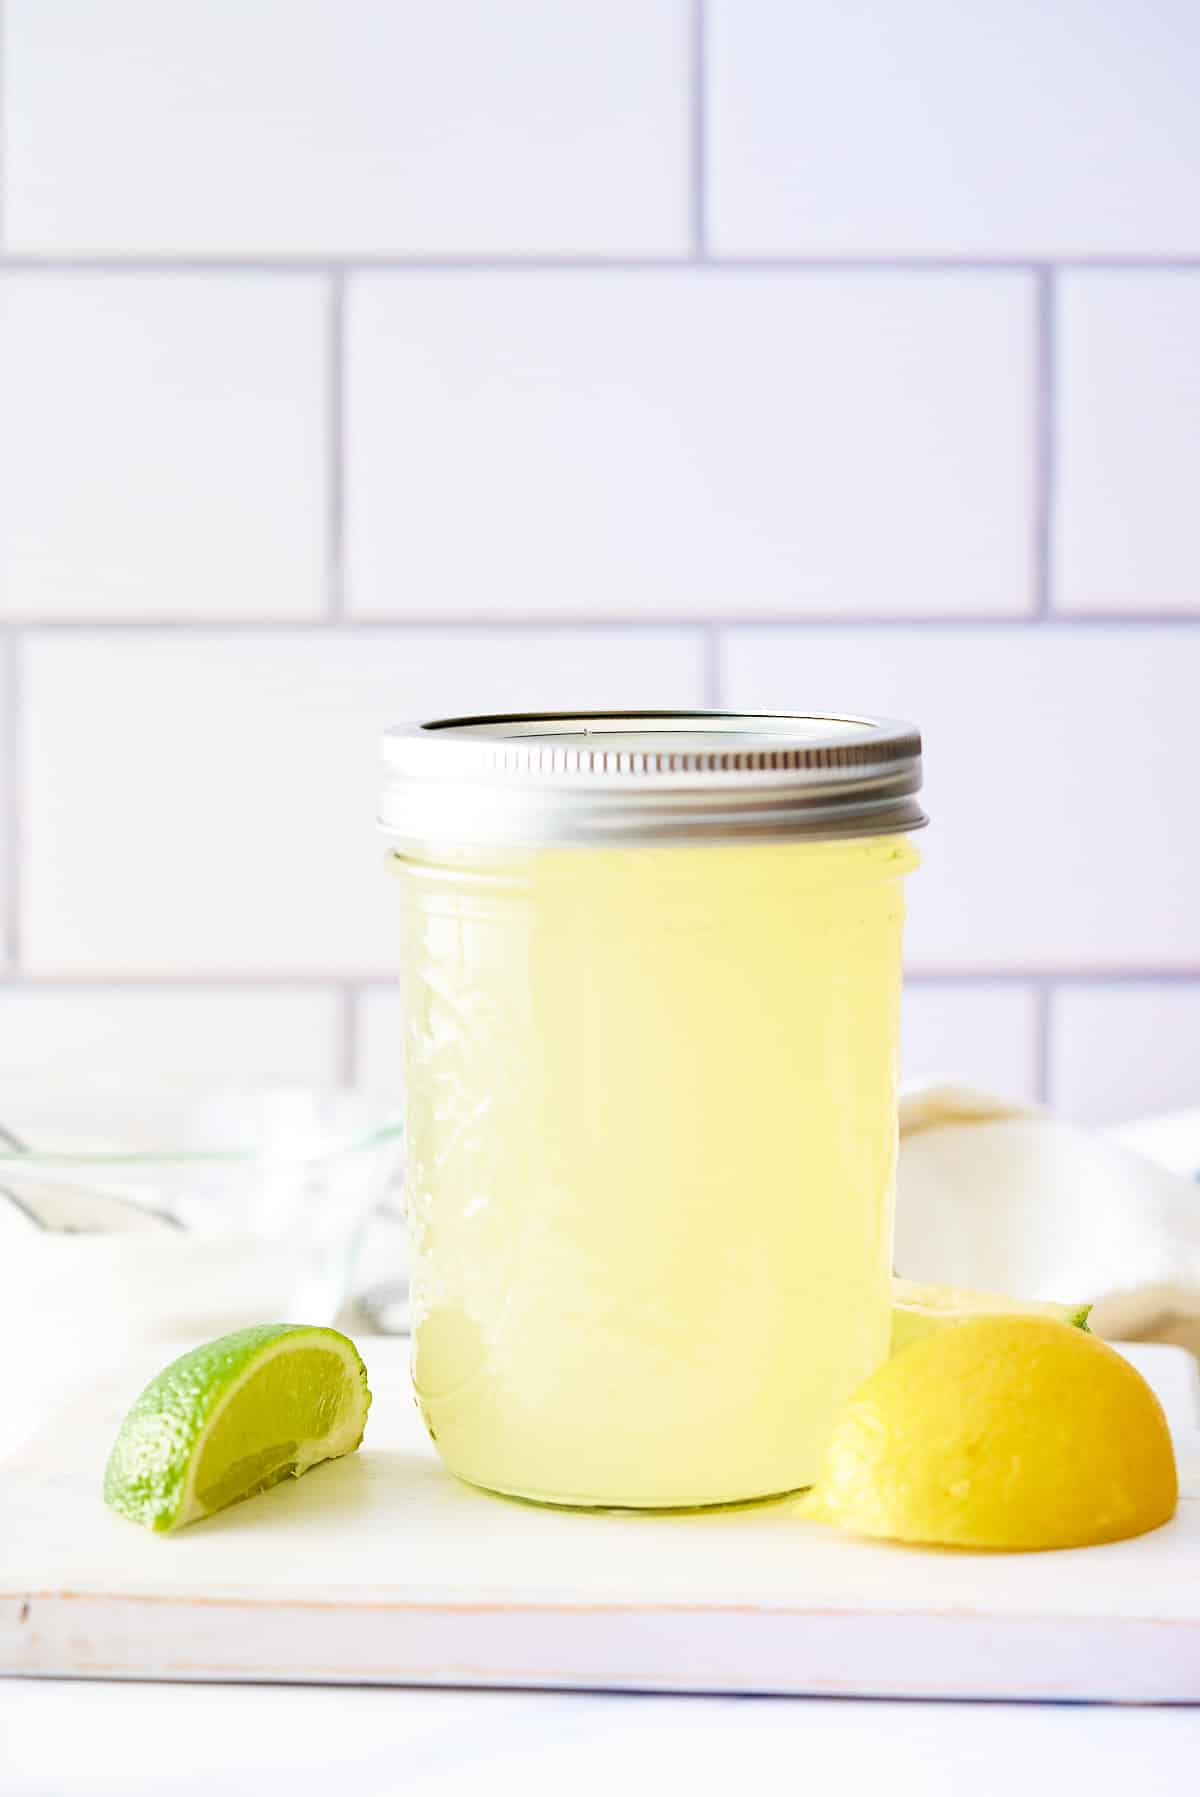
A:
[248, 980]
[1042, 1018]
[335, 447]
[385, 624]
[11, 797]
[169, 981]
[1044, 442]
[712, 668]
[346, 1053]
[1145, 974]
[698, 58]
[518, 262]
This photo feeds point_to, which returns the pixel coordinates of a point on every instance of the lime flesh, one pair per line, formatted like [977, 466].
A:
[234, 1417]
[920, 1310]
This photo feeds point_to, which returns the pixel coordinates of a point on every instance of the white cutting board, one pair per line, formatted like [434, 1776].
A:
[382, 1569]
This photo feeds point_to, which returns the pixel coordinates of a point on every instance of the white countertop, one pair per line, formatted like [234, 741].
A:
[62, 1738]
[59, 1739]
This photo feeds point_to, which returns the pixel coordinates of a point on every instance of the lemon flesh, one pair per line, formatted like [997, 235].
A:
[919, 1310]
[235, 1417]
[1005, 1432]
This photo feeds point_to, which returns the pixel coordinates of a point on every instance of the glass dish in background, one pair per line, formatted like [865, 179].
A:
[244, 1199]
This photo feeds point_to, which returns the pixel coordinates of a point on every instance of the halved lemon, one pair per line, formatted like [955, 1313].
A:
[920, 1310]
[1006, 1432]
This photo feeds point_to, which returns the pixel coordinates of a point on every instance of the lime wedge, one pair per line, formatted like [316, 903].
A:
[919, 1310]
[234, 1417]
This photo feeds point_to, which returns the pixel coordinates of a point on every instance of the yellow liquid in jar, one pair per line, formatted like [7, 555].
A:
[651, 1102]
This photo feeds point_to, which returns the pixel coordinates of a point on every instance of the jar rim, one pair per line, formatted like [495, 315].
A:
[540, 778]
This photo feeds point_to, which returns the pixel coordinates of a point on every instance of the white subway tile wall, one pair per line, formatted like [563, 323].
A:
[204, 802]
[1124, 1050]
[364, 359]
[1002, 128]
[348, 127]
[169, 1039]
[1128, 525]
[973, 1033]
[379, 1041]
[163, 445]
[10, 795]
[689, 444]
[1060, 772]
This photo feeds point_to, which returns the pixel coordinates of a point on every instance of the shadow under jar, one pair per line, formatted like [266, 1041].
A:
[651, 974]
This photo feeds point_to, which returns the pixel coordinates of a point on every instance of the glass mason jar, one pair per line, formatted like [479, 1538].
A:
[651, 974]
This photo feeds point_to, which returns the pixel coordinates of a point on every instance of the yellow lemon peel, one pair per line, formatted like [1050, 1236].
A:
[1004, 1433]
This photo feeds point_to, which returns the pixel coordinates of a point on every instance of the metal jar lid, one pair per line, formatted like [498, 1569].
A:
[534, 779]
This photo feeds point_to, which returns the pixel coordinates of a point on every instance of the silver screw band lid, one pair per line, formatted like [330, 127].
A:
[539, 778]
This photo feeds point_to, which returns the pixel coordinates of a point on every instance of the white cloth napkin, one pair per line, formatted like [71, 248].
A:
[1007, 1198]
